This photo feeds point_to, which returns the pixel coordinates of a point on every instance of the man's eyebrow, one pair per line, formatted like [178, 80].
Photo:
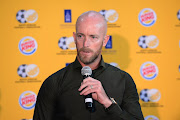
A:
[80, 33]
[89, 35]
[94, 35]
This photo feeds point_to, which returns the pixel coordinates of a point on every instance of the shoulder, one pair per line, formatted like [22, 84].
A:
[57, 77]
[120, 74]
[117, 70]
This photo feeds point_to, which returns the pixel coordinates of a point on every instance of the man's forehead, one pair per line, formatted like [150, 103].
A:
[90, 23]
[90, 15]
[90, 34]
[89, 29]
[91, 20]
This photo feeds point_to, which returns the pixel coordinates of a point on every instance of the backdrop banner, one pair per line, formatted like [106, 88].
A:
[37, 40]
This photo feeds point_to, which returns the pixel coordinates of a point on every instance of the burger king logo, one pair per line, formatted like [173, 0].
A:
[149, 70]
[27, 100]
[27, 45]
[151, 117]
[147, 17]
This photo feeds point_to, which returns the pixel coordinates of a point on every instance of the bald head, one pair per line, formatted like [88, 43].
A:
[92, 16]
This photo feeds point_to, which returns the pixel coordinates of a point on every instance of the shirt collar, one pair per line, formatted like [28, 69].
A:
[77, 65]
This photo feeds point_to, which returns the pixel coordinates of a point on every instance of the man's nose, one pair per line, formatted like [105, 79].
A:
[86, 42]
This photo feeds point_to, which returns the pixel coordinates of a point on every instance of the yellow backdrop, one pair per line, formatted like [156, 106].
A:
[36, 41]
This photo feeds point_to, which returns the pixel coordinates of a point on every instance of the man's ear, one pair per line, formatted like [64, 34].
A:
[74, 36]
[106, 38]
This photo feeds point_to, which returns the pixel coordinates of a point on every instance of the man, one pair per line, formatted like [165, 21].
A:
[61, 97]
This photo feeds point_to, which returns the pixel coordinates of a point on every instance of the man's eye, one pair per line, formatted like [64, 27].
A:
[79, 36]
[94, 37]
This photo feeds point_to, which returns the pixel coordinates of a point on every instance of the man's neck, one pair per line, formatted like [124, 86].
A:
[93, 65]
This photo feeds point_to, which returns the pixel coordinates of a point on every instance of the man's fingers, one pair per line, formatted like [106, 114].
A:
[84, 85]
[85, 90]
[87, 82]
[88, 88]
[93, 90]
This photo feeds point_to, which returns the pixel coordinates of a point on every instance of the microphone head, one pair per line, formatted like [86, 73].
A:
[86, 70]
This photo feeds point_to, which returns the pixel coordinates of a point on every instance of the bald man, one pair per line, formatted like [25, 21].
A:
[61, 96]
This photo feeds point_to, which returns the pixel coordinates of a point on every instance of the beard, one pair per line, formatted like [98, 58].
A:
[86, 59]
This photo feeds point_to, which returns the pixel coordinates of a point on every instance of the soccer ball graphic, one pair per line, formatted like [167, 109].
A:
[178, 14]
[22, 70]
[20, 16]
[102, 12]
[144, 95]
[142, 42]
[62, 43]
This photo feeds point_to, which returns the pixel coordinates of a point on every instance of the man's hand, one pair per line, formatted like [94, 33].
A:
[90, 85]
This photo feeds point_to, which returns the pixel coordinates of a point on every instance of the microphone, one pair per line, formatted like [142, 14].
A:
[89, 102]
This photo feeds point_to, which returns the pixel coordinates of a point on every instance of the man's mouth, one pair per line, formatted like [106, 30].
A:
[85, 51]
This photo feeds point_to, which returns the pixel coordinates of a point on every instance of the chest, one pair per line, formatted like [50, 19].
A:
[70, 97]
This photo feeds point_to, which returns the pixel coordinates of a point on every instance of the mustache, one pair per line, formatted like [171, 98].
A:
[85, 49]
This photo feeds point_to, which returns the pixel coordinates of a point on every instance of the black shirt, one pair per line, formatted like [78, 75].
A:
[59, 98]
